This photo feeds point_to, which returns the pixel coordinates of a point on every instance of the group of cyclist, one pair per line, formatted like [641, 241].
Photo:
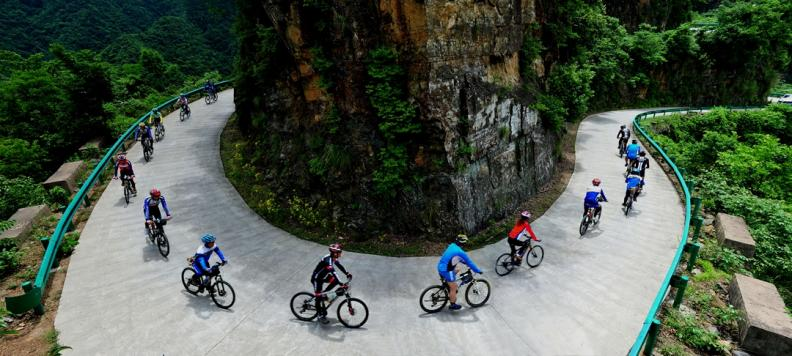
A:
[151, 205]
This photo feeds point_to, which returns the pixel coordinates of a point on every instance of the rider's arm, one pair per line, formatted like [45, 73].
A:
[165, 205]
[202, 262]
[146, 209]
[470, 263]
[530, 232]
[136, 132]
[341, 267]
[603, 195]
[115, 169]
[131, 171]
[219, 254]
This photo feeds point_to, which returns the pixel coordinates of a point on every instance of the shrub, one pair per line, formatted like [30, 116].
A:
[694, 335]
[9, 256]
[18, 193]
[69, 243]
[60, 196]
[21, 158]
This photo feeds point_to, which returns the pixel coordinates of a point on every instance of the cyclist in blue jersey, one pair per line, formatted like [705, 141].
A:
[446, 267]
[633, 181]
[632, 152]
[592, 197]
[325, 273]
[201, 262]
[151, 207]
[144, 132]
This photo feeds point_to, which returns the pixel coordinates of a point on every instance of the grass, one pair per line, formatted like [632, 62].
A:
[55, 347]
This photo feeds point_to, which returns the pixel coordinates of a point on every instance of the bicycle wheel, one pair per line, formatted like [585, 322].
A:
[629, 206]
[223, 294]
[182, 115]
[535, 256]
[353, 313]
[303, 306]
[187, 281]
[597, 217]
[146, 154]
[503, 265]
[433, 299]
[127, 192]
[163, 245]
[207, 99]
[584, 225]
[477, 292]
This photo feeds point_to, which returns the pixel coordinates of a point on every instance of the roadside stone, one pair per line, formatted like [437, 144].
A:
[713, 329]
[24, 219]
[686, 310]
[765, 329]
[740, 353]
[696, 271]
[66, 176]
[733, 232]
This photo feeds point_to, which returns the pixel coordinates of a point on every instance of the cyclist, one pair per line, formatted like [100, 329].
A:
[641, 164]
[145, 134]
[183, 102]
[519, 234]
[623, 136]
[151, 207]
[155, 118]
[446, 267]
[209, 87]
[124, 166]
[632, 152]
[591, 200]
[201, 262]
[325, 273]
[633, 181]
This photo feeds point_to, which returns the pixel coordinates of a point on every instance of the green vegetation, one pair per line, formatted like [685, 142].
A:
[55, 347]
[597, 63]
[195, 35]
[9, 256]
[397, 119]
[740, 161]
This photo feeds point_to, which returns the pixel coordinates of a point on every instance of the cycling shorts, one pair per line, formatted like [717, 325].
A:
[449, 276]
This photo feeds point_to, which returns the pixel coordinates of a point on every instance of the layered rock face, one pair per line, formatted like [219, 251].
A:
[481, 149]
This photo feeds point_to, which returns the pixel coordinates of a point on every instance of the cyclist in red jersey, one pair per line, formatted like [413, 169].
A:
[518, 236]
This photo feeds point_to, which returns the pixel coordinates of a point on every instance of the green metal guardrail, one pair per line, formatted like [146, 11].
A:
[651, 326]
[35, 290]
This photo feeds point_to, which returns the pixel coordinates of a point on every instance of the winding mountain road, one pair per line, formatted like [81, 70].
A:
[589, 296]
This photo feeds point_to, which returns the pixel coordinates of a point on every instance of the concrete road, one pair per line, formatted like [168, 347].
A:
[589, 296]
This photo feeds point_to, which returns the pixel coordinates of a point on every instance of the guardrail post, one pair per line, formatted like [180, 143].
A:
[27, 286]
[696, 206]
[691, 183]
[651, 337]
[693, 249]
[697, 222]
[680, 283]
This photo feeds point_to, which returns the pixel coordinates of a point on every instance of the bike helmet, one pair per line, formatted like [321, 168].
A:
[207, 238]
[461, 239]
[121, 156]
[596, 181]
[623, 126]
[142, 125]
[335, 248]
[642, 153]
[635, 141]
[155, 193]
[525, 214]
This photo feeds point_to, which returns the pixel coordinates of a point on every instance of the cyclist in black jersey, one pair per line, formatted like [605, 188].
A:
[325, 273]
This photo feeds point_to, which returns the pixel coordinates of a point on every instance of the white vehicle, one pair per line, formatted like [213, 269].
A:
[786, 99]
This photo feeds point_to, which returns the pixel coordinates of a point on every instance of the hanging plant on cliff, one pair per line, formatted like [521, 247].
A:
[397, 119]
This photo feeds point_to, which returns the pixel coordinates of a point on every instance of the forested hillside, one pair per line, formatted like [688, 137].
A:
[195, 34]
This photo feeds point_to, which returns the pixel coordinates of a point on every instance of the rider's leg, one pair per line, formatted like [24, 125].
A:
[452, 292]
[626, 195]
[513, 248]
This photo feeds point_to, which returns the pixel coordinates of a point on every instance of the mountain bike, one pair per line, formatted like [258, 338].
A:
[184, 114]
[210, 98]
[591, 217]
[221, 291]
[434, 298]
[156, 234]
[505, 264]
[159, 132]
[148, 148]
[126, 182]
[631, 199]
[352, 312]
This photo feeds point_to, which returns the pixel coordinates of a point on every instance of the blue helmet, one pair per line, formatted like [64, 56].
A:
[207, 238]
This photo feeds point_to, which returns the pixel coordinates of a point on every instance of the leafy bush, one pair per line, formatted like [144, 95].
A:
[60, 196]
[69, 243]
[6, 224]
[19, 193]
[4, 330]
[19, 157]
[689, 331]
[9, 256]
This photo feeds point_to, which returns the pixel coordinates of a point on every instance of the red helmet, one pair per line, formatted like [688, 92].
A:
[335, 248]
[155, 193]
[525, 214]
[596, 181]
